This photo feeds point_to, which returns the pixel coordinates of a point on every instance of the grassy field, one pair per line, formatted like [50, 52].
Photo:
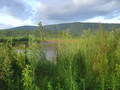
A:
[88, 62]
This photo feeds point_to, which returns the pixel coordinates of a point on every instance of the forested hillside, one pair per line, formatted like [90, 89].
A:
[73, 28]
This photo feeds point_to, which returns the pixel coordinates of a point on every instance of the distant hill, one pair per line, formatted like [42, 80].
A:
[74, 28]
[24, 28]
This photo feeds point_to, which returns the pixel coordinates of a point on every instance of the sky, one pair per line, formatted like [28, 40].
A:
[15, 13]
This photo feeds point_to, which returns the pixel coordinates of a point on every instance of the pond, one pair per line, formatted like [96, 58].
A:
[50, 49]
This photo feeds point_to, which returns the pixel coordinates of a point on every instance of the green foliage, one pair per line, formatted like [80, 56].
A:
[88, 62]
[7, 72]
[28, 78]
[49, 86]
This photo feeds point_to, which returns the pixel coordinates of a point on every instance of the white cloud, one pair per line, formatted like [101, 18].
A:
[23, 12]
[110, 6]
[12, 21]
[81, 10]
[85, 2]
[103, 20]
[3, 26]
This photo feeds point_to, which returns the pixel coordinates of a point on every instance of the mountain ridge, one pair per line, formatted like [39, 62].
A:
[75, 26]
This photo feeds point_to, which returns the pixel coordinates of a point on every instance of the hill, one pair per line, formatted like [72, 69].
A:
[24, 28]
[74, 28]
[77, 28]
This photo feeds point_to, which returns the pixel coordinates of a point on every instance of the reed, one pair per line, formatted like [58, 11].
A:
[88, 62]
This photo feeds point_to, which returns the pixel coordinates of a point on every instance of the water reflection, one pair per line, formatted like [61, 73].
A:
[50, 50]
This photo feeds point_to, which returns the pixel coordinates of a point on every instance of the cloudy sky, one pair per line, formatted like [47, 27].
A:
[29, 12]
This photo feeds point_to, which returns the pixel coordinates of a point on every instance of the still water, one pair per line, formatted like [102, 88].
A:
[50, 49]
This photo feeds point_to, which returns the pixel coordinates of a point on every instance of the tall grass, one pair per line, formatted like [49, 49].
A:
[90, 62]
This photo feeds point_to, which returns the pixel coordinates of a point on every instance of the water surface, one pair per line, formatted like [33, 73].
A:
[50, 49]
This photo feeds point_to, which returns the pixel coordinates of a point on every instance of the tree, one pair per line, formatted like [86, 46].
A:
[40, 28]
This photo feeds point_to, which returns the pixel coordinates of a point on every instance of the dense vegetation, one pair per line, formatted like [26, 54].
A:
[51, 31]
[25, 33]
[22, 36]
[88, 62]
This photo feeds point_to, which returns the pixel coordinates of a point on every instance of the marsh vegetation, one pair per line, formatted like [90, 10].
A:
[88, 62]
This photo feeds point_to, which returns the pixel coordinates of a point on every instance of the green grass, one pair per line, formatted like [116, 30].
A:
[88, 62]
